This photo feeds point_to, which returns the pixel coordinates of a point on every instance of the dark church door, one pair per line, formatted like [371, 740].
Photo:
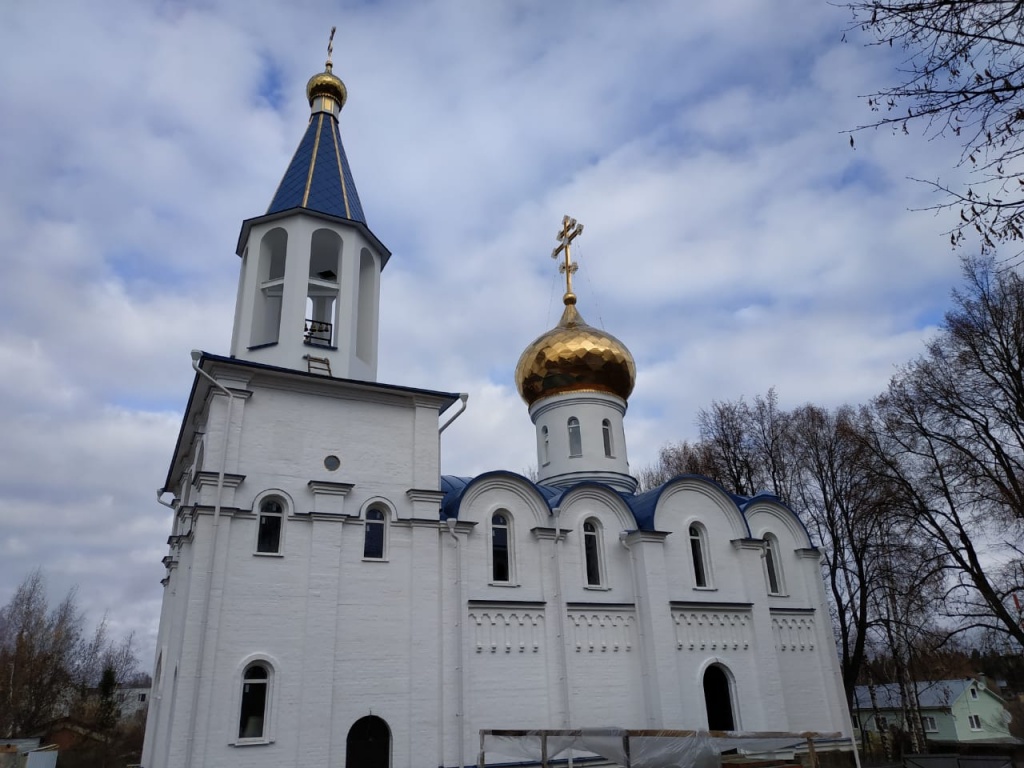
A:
[369, 744]
[717, 699]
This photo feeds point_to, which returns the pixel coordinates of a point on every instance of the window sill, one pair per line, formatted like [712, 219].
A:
[778, 594]
[268, 554]
[501, 584]
[375, 559]
[597, 588]
[706, 589]
[251, 742]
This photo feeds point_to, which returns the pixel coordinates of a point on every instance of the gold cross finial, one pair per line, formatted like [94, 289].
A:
[330, 50]
[569, 232]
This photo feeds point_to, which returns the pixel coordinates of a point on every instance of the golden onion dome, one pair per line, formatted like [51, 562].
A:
[327, 83]
[575, 357]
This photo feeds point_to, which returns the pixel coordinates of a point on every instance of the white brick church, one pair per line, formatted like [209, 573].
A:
[332, 600]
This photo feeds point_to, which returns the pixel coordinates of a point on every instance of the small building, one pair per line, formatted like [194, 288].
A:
[952, 711]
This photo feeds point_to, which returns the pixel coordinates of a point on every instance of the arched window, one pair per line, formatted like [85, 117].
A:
[606, 432]
[369, 743]
[545, 448]
[698, 551]
[575, 438]
[772, 565]
[718, 699]
[501, 548]
[375, 534]
[252, 723]
[271, 519]
[593, 553]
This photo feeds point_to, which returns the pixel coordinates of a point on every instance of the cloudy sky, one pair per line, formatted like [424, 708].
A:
[734, 241]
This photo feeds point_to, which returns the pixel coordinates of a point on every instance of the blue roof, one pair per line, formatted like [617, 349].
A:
[932, 694]
[318, 177]
[641, 505]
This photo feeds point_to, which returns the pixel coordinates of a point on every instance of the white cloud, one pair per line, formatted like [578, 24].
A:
[733, 239]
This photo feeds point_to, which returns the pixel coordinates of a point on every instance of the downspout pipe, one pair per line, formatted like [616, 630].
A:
[197, 356]
[460, 714]
[463, 396]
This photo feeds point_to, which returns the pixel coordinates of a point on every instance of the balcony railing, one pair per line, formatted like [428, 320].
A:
[318, 333]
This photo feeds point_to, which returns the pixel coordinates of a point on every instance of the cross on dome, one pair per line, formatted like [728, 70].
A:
[569, 232]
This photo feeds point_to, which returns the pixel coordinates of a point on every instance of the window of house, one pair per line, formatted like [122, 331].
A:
[856, 721]
[592, 553]
[606, 433]
[268, 538]
[698, 551]
[374, 534]
[882, 723]
[255, 696]
[575, 437]
[928, 723]
[974, 693]
[501, 548]
[545, 455]
[975, 722]
[772, 565]
[142, 698]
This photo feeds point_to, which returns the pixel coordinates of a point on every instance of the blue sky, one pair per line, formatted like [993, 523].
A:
[734, 241]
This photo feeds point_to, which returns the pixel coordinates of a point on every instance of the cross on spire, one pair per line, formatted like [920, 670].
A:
[330, 49]
[569, 232]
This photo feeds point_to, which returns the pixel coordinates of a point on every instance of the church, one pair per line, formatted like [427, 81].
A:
[331, 599]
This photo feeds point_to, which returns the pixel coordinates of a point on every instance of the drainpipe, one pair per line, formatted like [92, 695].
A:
[460, 714]
[640, 635]
[196, 357]
[560, 604]
[463, 396]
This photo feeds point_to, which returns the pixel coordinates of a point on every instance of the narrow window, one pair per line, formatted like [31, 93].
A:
[700, 573]
[928, 723]
[373, 535]
[856, 722]
[975, 722]
[974, 693]
[882, 723]
[592, 553]
[501, 560]
[606, 431]
[268, 540]
[255, 682]
[575, 438]
[771, 564]
[545, 453]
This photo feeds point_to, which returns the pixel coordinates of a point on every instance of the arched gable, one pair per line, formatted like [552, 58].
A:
[673, 510]
[768, 515]
[493, 490]
[594, 499]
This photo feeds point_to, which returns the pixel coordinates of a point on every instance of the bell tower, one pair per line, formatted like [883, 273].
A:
[309, 284]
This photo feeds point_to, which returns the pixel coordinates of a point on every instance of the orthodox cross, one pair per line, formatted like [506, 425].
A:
[330, 48]
[570, 231]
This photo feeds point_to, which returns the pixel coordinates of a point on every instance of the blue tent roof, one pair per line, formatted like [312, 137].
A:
[318, 177]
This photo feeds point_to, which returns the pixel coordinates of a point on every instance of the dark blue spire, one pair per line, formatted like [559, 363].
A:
[318, 177]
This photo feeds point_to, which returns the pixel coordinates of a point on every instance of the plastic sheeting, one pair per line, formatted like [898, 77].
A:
[637, 749]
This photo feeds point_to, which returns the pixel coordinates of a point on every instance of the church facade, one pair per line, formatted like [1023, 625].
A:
[332, 600]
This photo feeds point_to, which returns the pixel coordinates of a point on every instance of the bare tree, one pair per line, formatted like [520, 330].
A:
[949, 434]
[962, 76]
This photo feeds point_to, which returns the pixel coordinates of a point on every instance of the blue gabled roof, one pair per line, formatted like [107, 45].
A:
[641, 505]
[318, 177]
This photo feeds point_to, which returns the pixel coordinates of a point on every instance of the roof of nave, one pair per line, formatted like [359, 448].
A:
[642, 505]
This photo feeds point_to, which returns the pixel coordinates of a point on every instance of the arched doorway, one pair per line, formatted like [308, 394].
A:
[368, 744]
[718, 699]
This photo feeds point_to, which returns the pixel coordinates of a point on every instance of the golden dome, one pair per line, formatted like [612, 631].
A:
[327, 83]
[574, 357]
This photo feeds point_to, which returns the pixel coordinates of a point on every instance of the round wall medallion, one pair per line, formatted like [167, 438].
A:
[332, 462]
